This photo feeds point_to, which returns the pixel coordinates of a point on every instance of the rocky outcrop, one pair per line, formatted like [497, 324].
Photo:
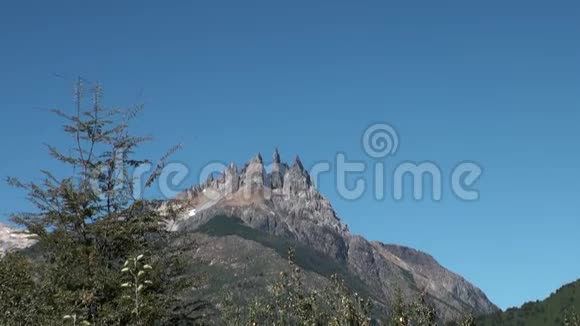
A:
[284, 202]
[285, 195]
[12, 239]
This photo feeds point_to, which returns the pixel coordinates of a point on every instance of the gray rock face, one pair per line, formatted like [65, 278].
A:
[284, 202]
[11, 239]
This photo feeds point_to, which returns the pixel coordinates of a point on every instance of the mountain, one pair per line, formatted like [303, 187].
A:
[549, 312]
[12, 239]
[244, 220]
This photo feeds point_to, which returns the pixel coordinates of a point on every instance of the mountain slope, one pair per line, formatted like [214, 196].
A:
[285, 205]
[549, 312]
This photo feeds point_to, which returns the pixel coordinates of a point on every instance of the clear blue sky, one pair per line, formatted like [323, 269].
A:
[496, 82]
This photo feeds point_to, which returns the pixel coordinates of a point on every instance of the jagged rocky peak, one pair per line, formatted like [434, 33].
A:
[278, 171]
[257, 159]
[231, 179]
[284, 188]
[276, 157]
[297, 181]
[281, 180]
[298, 163]
[255, 174]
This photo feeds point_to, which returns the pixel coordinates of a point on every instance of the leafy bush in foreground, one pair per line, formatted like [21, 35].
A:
[288, 303]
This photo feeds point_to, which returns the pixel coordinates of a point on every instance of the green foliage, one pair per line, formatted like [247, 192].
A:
[414, 313]
[20, 297]
[74, 320]
[561, 308]
[468, 321]
[137, 287]
[571, 319]
[289, 303]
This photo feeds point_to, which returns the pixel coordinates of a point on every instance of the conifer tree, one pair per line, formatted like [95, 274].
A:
[88, 223]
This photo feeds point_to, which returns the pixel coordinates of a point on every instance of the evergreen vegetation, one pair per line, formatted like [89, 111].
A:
[561, 308]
